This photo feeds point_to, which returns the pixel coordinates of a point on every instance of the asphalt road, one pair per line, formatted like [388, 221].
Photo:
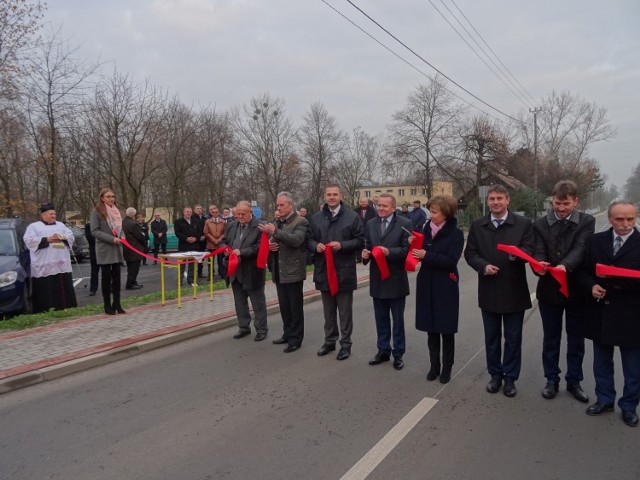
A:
[218, 408]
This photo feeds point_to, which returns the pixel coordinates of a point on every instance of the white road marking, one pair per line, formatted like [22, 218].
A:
[379, 452]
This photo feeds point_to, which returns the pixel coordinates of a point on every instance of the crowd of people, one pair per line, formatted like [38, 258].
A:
[603, 308]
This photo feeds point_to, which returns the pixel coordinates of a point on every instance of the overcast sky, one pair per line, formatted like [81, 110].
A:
[223, 52]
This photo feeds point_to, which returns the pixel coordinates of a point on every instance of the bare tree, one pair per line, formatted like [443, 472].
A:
[54, 85]
[362, 153]
[267, 140]
[321, 141]
[422, 132]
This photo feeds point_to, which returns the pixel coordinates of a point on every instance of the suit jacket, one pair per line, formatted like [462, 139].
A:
[289, 263]
[159, 227]
[397, 241]
[561, 242]
[135, 237]
[615, 319]
[184, 230]
[506, 292]
[370, 214]
[248, 274]
[437, 284]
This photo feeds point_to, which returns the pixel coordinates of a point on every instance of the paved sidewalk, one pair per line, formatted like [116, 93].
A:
[36, 355]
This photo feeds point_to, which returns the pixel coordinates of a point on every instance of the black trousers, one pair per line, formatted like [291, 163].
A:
[133, 267]
[111, 283]
[291, 303]
[156, 249]
[95, 271]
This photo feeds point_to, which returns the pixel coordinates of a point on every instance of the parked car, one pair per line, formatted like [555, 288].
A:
[15, 284]
[80, 244]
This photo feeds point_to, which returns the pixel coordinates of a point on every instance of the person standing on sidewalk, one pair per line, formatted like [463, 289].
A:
[214, 233]
[95, 268]
[106, 228]
[144, 228]
[135, 237]
[287, 262]
[340, 229]
[437, 285]
[503, 293]
[187, 231]
[159, 231]
[247, 283]
[560, 241]
[388, 232]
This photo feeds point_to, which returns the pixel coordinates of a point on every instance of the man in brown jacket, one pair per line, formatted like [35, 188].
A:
[214, 233]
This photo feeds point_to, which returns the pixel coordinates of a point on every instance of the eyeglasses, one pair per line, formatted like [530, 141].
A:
[109, 196]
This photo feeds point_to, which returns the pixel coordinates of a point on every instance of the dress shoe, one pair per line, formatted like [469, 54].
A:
[109, 310]
[92, 293]
[291, 348]
[260, 336]
[242, 333]
[133, 287]
[398, 363]
[578, 393]
[119, 309]
[279, 341]
[550, 389]
[494, 385]
[630, 418]
[599, 408]
[379, 358]
[509, 388]
[445, 375]
[434, 371]
[344, 353]
[326, 348]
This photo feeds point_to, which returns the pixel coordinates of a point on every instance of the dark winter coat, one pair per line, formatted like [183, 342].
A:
[135, 237]
[561, 242]
[418, 218]
[248, 274]
[346, 228]
[370, 214]
[159, 226]
[184, 230]
[506, 292]
[397, 241]
[615, 319]
[437, 285]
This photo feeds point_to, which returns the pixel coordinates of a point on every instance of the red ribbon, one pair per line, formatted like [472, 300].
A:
[616, 271]
[411, 262]
[557, 273]
[263, 251]
[381, 260]
[332, 276]
[233, 258]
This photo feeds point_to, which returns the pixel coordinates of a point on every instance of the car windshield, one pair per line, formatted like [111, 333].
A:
[8, 243]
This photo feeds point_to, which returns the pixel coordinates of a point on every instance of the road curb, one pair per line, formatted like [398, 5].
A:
[127, 350]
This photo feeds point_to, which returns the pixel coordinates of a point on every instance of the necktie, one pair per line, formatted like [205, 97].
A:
[383, 226]
[617, 244]
[498, 222]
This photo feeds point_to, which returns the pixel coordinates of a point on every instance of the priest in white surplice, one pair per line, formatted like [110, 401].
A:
[49, 243]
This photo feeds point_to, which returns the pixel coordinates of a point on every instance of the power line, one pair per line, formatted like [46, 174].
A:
[522, 89]
[425, 61]
[462, 99]
[517, 94]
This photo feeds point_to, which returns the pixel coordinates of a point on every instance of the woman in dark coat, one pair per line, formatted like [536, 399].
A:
[437, 292]
[106, 227]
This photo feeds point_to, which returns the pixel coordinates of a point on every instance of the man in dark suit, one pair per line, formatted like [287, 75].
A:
[503, 293]
[339, 228]
[389, 296]
[188, 233]
[135, 237]
[287, 262]
[248, 281]
[366, 212]
[560, 241]
[613, 312]
[144, 228]
[159, 231]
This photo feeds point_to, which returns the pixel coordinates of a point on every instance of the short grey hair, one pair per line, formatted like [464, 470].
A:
[286, 195]
[130, 212]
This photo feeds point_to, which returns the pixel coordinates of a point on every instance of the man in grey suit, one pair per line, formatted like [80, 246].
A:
[389, 296]
[247, 282]
[287, 261]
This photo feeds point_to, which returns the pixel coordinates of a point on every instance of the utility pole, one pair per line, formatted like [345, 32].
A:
[535, 112]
